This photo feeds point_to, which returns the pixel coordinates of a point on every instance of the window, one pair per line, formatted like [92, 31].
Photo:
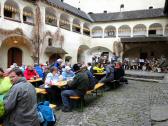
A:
[24, 18]
[50, 42]
[8, 13]
[152, 32]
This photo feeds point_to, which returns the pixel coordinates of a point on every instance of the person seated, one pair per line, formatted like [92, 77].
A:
[67, 74]
[77, 87]
[5, 85]
[30, 73]
[98, 68]
[39, 70]
[92, 80]
[53, 91]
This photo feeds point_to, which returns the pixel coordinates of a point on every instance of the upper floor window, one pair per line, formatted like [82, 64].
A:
[139, 30]
[11, 10]
[97, 32]
[124, 31]
[155, 29]
[50, 42]
[50, 17]
[110, 31]
[28, 16]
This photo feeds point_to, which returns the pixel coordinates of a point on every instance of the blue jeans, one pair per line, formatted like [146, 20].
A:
[66, 94]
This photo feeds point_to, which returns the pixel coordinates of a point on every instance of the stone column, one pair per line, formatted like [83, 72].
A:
[81, 27]
[58, 20]
[2, 9]
[71, 23]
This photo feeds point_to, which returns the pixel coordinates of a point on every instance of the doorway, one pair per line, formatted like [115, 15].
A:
[14, 56]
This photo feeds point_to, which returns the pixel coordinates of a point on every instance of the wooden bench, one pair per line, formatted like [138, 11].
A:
[96, 87]
[78, 98]
[41, 91]
[53, 106]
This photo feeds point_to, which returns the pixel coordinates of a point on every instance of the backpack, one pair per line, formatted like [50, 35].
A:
[46, 115]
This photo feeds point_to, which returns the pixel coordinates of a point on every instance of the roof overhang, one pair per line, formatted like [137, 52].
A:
[144, 39]
[52, 50]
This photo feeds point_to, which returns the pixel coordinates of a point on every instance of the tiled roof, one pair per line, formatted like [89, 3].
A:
[128, 15]
[70, 9]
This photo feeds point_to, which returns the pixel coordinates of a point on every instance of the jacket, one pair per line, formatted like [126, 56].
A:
[80, 82]
[5, 85]
[20, 105]
[28, 74]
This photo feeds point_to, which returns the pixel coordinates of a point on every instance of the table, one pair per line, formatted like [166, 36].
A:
[36, 81]
[60, 84]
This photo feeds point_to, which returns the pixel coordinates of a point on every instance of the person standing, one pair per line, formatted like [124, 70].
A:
[21, 102]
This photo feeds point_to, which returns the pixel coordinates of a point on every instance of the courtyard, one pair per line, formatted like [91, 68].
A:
[127, 105]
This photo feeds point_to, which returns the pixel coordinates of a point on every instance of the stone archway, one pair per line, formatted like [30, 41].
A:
[16, 48]
[81, 56]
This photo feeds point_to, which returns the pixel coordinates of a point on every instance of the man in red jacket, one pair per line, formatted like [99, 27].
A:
[30, 73]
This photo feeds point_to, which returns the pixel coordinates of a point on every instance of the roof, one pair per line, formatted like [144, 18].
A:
[144, 39]
[128, 15]
[52, 50]
[70, 9]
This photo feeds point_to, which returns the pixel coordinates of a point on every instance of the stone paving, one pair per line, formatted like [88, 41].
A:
[128, 105]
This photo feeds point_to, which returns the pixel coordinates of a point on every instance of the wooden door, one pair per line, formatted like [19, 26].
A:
[53, 58]
[14, 56]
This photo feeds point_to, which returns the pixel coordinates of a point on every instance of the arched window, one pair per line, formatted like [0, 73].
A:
[124, 31]
[166, 30]
[155, 29]
[76, 25]
[86, 29]
[64, 22]
[11, 10]
[28, 16]
[110, 31]
[139, 30]
[97, 32]
[50, 17]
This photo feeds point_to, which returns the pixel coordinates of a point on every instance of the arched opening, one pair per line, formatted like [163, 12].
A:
[166, 30]
[28, 16]
[98, 54]
[110, 31]
[68, 59]
[54, 58]
[16, 49]
[82, 50]
[124, 31]
[97, 32]
[50, 17]
[11, 10]
[64, 22]
[76, 26]
[155, 29]
[86, 29]
[14, 56]
[139, 30]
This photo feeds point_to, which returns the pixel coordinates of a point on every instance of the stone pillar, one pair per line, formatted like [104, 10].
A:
[58, 19]
[147, 31]
[81, 27]
[71, 23]
[21, 14]
[2, 9]
[132, 32]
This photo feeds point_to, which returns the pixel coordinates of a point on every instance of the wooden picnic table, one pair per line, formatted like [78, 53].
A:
[36, 80]
[60, 84]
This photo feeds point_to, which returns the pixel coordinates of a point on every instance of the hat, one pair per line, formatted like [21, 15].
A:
[59, 60]
[76, 67]
[67, 68]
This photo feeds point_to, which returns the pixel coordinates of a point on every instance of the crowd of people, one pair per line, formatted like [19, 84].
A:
[18, 103]
[149, 64]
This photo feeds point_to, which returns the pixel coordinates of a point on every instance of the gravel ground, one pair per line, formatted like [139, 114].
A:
[128, 105]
